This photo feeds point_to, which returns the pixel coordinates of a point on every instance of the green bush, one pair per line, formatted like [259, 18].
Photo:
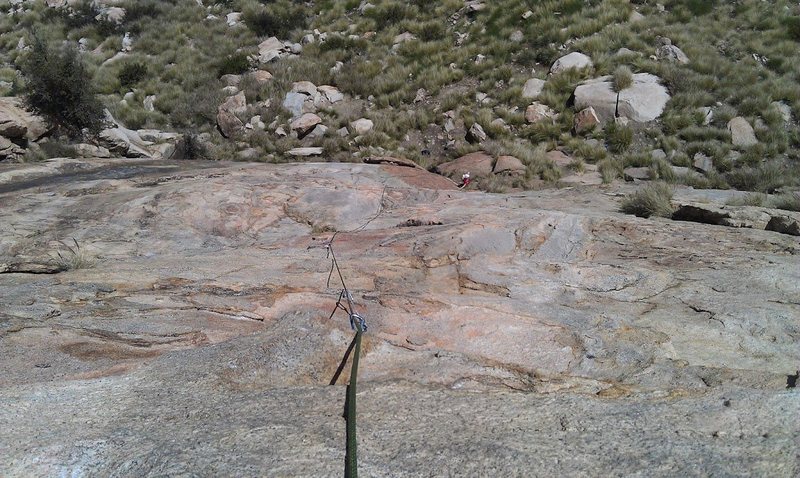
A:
[132, 73]
[650, 200]
[622, 78]
[618, 137]
[279, 20]
[58, 86]
[234, 64]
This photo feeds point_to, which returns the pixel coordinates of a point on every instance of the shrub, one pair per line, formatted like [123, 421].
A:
[279, 20]
[650, 200]
[622, 78]
[234, 64]
[58, 86]
[132, 73]
[788, 201]
[618, 137]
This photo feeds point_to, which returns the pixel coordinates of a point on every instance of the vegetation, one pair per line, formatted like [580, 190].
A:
[58, 86]
[468, 66]
[652, 199]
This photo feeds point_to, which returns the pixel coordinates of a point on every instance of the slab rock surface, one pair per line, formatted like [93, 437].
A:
[185, 328]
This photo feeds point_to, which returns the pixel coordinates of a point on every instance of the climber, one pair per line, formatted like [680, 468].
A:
[465, 180]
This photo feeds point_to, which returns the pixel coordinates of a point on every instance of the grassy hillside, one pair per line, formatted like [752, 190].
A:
[469, 59]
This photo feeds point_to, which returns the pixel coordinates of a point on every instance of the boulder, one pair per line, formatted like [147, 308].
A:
[671, 53]
[538, 112]
[477, 164]
[559, 159]
[233, 18]
[637, 174]
[269, 50]
[574, 60]
[785, 224]
[643, 101]
[114, 15]
[17, 122]
[533, 88]
[586, 120]
[742, 133]
[476, 134]
[310, 151]
[331, 93]
[227, 120]
[361, 126]
[784, 109]
[85, 150]
[9, 150]
[509, 165]
[295, 103]
[126, 142]
[231, 80]
[305, 87]
[260, 77]
[702, 163]
[305, 123]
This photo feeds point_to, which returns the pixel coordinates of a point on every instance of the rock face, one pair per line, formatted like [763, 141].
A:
[742, 133]
[545, 325]
[574, 60]
[643, 101]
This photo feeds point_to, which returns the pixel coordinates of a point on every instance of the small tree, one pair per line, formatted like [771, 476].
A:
[59, 87]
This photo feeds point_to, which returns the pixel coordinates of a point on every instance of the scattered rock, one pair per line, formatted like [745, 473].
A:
[17, 122]
[227, 120]
[305, 87]
[310, 151]
[476, 134]
[305, 123]
[533, 88]
[516, 36]
[403, 37]
[318, 131]
[509, 165]
[233, 19]
[671, 53]
[361, 126]
[260, 77]
[270, 49]
[537, 112]
[785, 224]
[574, 60]
[784, 109]
[85, 150]
[331, 93]
[9, 150]
[702, 163]
[742, 133]
[477, 164]
[637, 174]
[643, 101]
[149, 103]
[586, 120]
[635, 17]
[295, 103]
